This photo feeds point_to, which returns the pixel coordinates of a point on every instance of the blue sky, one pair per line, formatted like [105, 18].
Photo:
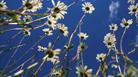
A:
[95, 24]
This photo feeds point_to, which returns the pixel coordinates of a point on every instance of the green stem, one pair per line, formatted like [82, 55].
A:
[41, 38]
[54, 43]
[71, 37]
[68, 45]
[40, 67]
[121, 41]
[14, 53]
[119, 68]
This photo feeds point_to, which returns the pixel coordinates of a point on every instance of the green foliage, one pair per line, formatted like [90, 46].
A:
[132, 71]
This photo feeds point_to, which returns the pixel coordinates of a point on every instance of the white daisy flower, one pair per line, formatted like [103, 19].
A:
[83, 71]
[3, 5]
[18, 73]
[113, 27]
[26, 31]
[56, 16]
[63, 29]
[133, 9]
[40, 48]
[52, 54]
[126, 23]
[83, 35]
[52, 23]
[109, 40]
[32, 5]
[59, 10]
[101, 57]
[48, 31]
[27, 18]
[58, 72]
[87, 7]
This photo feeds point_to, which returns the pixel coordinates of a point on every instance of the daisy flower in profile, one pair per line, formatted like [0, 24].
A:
[133, 9]
[32, 5]
[83, 36]
[3, 5]
[87, 7]
[83, 71]
[113, 27]
[101, 57]
[81, 47]
[52, 23]
[47, 31]
[109, 40]
[52, 54]
[126, 23]
[63, 29]
[59, 10]
[131, 1]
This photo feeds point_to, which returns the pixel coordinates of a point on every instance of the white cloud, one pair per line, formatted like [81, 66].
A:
[113, 8]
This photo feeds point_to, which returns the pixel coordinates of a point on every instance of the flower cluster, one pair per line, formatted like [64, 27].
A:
[27, 19]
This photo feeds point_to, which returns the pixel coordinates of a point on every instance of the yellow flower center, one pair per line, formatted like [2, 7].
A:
[1, 5]
[134, 10]
[53, 15]
[29, 5]
[109, 43]
[83, 74]
[87, 8]
[50, 53]
[49, 22]
[56, 10]
[126, 24]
